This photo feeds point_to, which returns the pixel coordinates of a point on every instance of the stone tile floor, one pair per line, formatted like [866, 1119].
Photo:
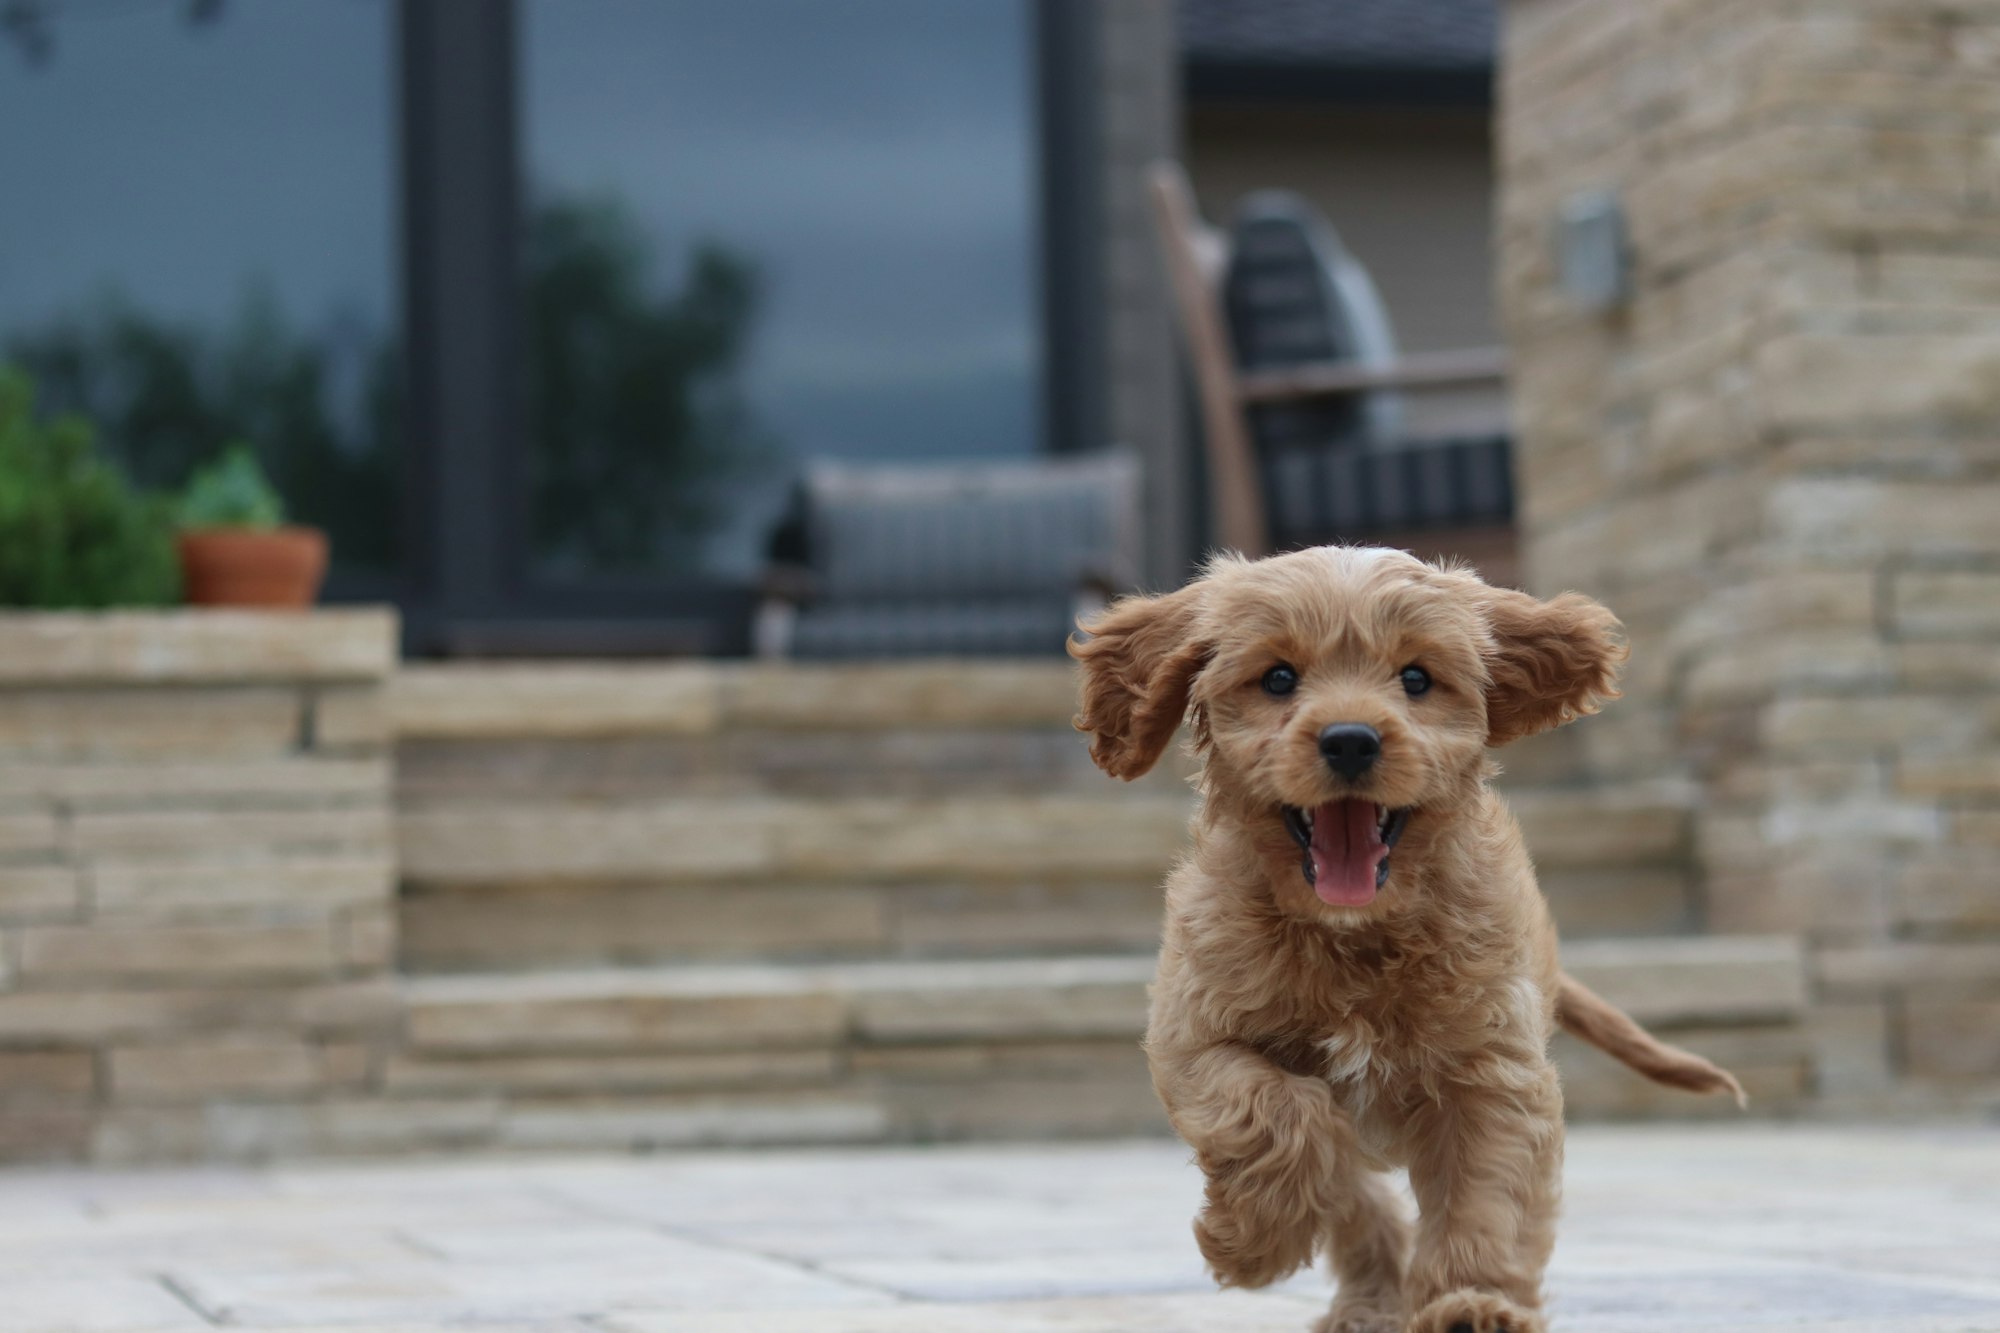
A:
[1876, 1230]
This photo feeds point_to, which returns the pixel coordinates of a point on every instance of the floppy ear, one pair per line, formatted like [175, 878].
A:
[1140, 659]
[1551, 662]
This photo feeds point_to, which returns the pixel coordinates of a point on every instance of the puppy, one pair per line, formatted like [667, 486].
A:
[1358, 970]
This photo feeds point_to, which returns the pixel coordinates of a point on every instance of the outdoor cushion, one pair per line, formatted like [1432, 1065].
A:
[983, 530]
[1012, 627]
[983, 558]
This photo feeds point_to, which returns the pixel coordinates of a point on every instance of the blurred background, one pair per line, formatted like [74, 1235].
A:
[542, 311]
[708, 420]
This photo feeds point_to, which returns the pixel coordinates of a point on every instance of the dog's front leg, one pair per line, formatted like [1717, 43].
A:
[1274, 1147]
[1487, 1173]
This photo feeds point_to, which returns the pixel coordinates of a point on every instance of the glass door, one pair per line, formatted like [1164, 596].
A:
[755, 235]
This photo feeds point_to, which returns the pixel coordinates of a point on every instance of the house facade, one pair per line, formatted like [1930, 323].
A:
[541, 308]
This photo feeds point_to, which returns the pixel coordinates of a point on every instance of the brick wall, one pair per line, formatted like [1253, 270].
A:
[196, 879]
[1779, 460]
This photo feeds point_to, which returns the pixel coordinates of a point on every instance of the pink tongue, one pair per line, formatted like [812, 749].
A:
[1346, 848]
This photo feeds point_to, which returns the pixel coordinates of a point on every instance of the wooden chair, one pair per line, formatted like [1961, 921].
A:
[1312, 419]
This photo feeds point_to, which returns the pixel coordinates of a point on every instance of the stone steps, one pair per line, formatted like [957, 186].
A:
[494, 882]
[615, 699]
[874, 837]
[813, 1053]
[485, 927]
[1611, 862]
[778, 840]
[755, 1006]
[460, 928]
[497, 885]
[925, 1049]
[628, 886]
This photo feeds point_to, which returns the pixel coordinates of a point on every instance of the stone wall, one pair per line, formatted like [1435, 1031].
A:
[265, 893]
[655, 904]
[1779, 460]
[196, 879]
[603, 814]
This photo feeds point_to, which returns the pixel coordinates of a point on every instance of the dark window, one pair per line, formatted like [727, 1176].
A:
[539, 305]
[198, 241]
[761, 232]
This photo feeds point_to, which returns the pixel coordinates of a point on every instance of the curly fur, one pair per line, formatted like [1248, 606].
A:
[1303, 1049]
[1141, 655]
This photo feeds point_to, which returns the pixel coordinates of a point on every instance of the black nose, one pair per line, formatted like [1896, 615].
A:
[1350, 748]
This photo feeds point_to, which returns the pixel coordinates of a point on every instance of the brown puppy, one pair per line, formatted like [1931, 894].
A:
[1359, 970]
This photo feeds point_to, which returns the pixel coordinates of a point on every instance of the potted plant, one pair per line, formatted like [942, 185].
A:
[235, 546]
[74, 532]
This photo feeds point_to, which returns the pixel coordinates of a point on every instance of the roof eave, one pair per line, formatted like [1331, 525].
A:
[1208, 79]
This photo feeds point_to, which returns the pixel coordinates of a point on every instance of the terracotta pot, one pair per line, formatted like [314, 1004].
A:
[280, 567]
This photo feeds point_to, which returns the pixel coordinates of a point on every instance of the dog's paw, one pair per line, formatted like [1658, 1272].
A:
[1242, 1253]
[1474, 1311]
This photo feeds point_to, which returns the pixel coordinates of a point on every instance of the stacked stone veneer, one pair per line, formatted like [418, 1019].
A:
[681, 902]
[658, 903]
[262, 894]
[1779, 459]
[196, 879]
[585, 814]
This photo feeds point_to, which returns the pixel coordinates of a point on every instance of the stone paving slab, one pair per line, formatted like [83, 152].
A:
[1709, 1229]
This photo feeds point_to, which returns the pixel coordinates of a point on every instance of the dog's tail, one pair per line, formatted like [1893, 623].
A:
[1585, 1014]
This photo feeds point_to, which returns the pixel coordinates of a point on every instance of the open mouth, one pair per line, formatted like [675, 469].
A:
[1346, 846]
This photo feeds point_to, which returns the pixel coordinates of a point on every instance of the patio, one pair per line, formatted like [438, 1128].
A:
[1882, 1229]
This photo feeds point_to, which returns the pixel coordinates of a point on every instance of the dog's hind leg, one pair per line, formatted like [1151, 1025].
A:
[1368, 1244]
[1279, 1154]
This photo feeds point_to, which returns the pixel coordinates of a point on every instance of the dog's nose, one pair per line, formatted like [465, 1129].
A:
[1350, 748]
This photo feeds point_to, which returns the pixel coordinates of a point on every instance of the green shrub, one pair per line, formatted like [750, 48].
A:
[73, 530]
[231, 492]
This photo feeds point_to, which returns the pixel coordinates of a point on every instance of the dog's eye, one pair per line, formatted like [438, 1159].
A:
[1280, 680]
[1416, 680]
